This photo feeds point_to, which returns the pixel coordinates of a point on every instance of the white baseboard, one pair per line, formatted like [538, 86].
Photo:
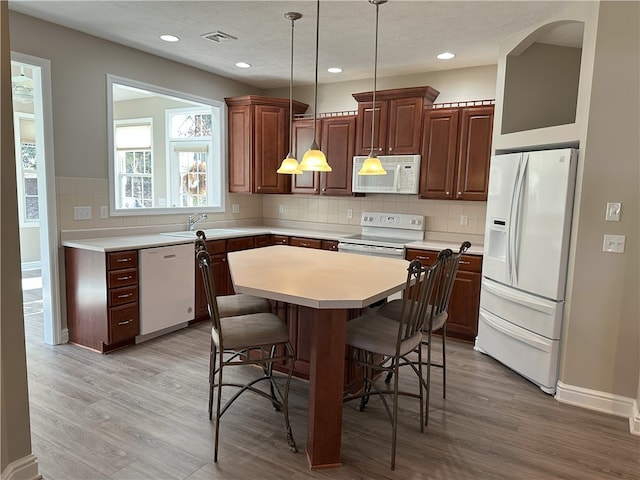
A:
[64, 336]
[25, 468]
[602, 402]
[634, 421]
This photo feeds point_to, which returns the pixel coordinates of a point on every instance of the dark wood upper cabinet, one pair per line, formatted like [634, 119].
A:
[398, 120]
[258, 142]
[335, 135]
[456, 152]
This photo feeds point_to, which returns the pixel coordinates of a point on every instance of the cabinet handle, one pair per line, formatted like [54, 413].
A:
[129, 277]
[461, 262]
[419, 257]
[324, 189]
[127, 295]
[459, 193]
[447, 193]
[304, 245]
[120, 260]
[126, 322]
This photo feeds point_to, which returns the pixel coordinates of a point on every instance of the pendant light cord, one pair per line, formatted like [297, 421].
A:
[315, 95]
[375, 76]
[291, 93]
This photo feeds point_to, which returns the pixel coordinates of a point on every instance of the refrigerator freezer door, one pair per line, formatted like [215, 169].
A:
[541, 226]
[505, 170]
[532, 356]
[536, 314]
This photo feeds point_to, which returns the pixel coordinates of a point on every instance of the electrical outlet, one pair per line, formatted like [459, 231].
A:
[82, 213]
[349, 212]
[464, 220]
[235, 208]
[613, 243]
[104, 211]
[281, 208]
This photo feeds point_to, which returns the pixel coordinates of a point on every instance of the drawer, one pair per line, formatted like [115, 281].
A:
[124, 322]
[305, 242]
[468, 263]
[119, 296]
[330, 245]
[122, 278]
[242, 243]
[216, 246]
[279, 240]
[118, 260]
[262, 241]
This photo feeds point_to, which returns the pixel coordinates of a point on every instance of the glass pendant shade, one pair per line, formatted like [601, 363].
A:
[314, 160]
[372, 166]
[289, 166]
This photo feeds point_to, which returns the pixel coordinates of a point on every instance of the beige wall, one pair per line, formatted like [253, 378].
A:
[30, 244]
[15, 435]
[602, 332]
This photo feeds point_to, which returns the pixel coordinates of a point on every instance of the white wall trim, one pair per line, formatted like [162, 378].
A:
[600, 401]
[634, 420]
[31, 265]
[25, 468]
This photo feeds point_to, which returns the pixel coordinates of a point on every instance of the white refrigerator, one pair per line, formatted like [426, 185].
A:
[528, 223]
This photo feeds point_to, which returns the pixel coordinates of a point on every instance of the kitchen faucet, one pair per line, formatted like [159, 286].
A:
[195, 218]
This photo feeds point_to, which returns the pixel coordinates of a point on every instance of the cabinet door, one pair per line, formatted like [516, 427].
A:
[220, 273]
[270, 147]
[405, 121]
[306, 182]
[439, 148]
[240, 155]
[464, 306]
[363, 134]
[474, 153]
[338, 144]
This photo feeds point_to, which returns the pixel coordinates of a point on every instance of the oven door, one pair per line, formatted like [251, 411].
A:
[373, 250]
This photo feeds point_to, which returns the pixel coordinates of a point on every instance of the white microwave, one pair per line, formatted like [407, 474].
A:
[403, 175]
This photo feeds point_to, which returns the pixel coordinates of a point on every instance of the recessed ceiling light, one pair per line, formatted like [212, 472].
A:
[169, 38]
[243, 65]
[446, 56]
[334, 70]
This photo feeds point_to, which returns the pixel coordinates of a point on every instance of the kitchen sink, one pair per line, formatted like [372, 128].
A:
[209, 233]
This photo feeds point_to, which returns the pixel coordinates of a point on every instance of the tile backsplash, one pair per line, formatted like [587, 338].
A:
[444, 218]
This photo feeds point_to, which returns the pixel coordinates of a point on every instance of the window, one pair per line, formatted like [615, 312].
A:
[134, 166]
[167, 150]
[26, 169]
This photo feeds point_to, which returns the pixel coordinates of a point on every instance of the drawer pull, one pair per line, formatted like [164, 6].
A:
[126, 322]
[129, 277]
[126, 295]
[120, 260]
[167, 257]
[462, 262]
[422, 258]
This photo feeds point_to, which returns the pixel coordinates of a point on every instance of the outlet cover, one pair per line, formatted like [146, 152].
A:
[82, 213]
[235, 208]
[104, 211]
[464, 220]
[349, 212]
[281, 208]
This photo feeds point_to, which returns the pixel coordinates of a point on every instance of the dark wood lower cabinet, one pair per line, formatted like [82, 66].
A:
[464, 304]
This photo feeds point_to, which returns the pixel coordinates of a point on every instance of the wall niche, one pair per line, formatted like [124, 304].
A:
[542, 78]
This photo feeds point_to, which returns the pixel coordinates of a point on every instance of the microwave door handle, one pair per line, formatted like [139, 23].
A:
[396, 183]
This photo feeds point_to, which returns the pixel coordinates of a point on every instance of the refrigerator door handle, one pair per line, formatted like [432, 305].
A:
[514, 229]
[510, 228]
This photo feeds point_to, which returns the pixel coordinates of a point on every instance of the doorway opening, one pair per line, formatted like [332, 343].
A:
[31, 90]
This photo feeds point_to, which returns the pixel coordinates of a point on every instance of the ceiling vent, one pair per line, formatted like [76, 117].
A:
[218, 36]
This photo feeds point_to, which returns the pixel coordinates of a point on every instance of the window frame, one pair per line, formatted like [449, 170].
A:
[217, 154]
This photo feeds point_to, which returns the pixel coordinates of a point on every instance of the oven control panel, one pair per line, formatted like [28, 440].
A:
[392, 220]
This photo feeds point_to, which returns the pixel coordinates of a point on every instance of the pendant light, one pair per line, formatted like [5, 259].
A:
[22, 88]
[372, 165]
[314, 160]
[290, 164]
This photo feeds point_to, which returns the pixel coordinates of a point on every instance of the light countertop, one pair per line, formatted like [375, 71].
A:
[130, 242]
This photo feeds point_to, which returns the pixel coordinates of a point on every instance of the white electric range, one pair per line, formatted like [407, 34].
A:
[384, 234]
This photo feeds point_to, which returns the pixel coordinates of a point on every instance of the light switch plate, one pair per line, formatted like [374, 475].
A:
[613, 243]
[613, 212]
[104, 211]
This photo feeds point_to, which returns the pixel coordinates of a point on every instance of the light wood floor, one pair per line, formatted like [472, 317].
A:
[141, 413]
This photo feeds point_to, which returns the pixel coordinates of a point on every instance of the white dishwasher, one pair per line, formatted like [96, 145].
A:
[167, 286]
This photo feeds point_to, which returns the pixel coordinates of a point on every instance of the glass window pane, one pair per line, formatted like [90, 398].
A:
[31, 208]
[30, 185]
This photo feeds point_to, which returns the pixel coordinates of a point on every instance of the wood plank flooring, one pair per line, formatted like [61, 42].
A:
[141, 413]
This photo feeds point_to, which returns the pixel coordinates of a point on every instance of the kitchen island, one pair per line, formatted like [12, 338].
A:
[332, 285]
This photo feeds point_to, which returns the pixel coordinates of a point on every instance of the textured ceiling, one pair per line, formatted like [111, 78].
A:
[411, 33]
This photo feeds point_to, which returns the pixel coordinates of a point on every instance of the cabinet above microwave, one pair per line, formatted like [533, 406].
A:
[403, 175]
